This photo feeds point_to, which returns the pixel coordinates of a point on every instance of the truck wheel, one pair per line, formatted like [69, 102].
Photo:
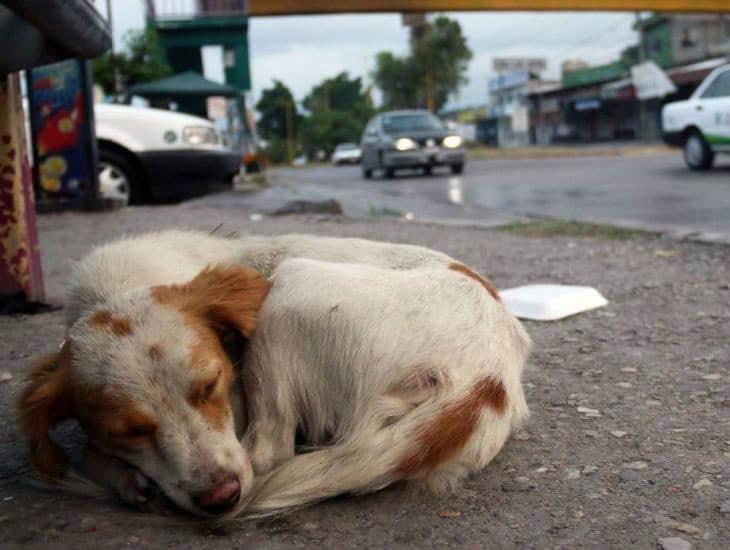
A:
[457, 168]
[118, 178]
[697, 154]
[367, 173]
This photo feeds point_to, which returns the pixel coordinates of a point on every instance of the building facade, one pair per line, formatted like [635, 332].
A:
[600, 103]
[509, 101]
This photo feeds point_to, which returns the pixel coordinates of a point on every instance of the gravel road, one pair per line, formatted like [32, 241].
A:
[628, 445]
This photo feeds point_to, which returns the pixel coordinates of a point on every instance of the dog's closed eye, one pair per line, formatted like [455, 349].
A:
[205, 389]
[134, 435]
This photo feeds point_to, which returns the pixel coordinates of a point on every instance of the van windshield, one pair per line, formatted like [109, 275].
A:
[411, 122]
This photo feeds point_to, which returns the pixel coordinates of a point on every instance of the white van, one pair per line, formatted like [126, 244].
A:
[701, 124]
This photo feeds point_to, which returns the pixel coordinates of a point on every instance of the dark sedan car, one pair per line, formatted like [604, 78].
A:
[409, 139]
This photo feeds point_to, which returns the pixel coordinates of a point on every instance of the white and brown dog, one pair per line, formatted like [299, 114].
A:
[391, 362]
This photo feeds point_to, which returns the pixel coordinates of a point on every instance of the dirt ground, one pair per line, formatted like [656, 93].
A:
[628, 445]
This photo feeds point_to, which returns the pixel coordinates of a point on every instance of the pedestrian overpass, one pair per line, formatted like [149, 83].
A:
[301, 7]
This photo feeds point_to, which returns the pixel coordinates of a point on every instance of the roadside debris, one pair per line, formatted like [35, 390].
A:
[329, 206]
[674, 543]
[549, 302]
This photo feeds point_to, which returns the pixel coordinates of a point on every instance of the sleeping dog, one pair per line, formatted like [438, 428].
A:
[391, 362]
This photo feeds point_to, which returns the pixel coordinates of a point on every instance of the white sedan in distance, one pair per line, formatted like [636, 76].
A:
[346, 153]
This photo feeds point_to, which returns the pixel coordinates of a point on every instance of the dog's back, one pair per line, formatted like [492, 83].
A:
[402, 374]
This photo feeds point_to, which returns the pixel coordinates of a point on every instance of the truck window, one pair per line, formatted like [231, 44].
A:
[720, 87]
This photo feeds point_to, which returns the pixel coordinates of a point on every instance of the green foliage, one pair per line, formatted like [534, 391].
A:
[340, 93]
[571, 228]
[434, 69]
[399, 80]
[323, 130]
[277, 151]
[276, 104]
[339, 109]
[142, 61]
[630, 56]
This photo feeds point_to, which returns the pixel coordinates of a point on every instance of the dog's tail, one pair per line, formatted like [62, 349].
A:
[439, 441]
[324, 473]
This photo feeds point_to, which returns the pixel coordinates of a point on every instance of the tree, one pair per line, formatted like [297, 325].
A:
[279, 117]
[279, 122]
[142, 61]
[340, 93]
[323, 130]
[398, 79]
[434, 69]
[339, 108]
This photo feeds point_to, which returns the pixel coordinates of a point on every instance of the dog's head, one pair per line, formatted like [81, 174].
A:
[149, 380]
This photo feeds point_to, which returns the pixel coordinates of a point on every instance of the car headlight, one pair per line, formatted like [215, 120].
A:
[405, 144]
[200, 135]
[452, 142]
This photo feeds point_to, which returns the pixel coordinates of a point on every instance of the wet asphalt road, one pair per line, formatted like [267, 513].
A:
[653, 191]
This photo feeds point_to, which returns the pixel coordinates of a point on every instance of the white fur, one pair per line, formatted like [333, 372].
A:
[346, 322]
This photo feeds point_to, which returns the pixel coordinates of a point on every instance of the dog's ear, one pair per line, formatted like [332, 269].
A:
[226, 296]
[44, 402]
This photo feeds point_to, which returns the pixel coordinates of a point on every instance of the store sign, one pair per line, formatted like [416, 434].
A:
[650, 81]
[61, 134]
[509, 80]
[511, 64]
[587, 104]
[520, 119]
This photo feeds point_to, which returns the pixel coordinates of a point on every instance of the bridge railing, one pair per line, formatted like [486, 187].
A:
[192, 9]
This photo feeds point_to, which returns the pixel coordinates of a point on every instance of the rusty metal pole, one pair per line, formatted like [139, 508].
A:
[289, 131]
[20, 265]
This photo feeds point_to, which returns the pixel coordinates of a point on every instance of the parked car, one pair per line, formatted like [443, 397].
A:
[346, 153]
[152, 154]
[701, 124]
[409, 139]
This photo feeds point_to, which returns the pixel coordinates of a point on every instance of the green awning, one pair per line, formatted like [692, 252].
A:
[186, 84]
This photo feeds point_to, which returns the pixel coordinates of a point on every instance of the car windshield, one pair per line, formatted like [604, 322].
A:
[346, 147]
[412, 122]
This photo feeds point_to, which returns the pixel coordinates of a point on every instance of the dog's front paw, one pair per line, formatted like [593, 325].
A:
[137, 490]
[134, 488]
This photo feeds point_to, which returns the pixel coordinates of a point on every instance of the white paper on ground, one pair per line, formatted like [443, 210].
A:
[550, 302]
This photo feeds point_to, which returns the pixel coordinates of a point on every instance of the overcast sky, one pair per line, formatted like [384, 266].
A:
[301, 51]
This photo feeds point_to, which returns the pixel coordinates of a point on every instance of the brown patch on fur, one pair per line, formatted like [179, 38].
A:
[209, 394]
[154, 352]
[215, 409]
[218, 297]
[111, 418]
[221, 295]
[43, 403]
[486, 283]
[451, 430]
[119, 325]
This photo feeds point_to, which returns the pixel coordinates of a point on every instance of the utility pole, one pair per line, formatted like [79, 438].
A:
[642, 58]
[430, 103]
[289, 131]
[417, 23]
[112, 55]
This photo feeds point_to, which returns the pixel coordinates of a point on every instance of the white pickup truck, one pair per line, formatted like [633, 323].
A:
[701, 124]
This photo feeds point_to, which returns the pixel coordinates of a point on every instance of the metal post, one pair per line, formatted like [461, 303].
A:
[289, 131]
[21, 277]
[642, 109]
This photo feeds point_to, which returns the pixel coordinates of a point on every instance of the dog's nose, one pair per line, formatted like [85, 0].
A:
[220, 498]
